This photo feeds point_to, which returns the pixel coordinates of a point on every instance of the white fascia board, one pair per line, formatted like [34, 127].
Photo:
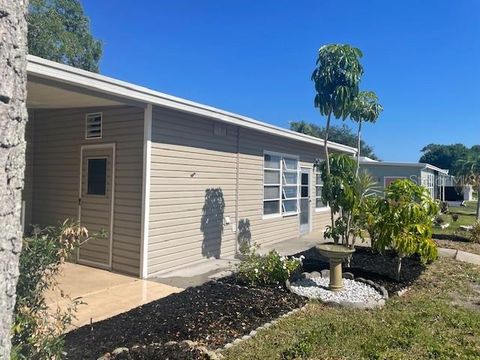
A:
[403, 164]
[70, 75]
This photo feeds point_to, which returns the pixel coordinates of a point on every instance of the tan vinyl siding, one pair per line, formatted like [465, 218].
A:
[187, 160]
[188, 163]
[57, 140]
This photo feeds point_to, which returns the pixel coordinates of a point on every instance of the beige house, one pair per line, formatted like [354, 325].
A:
[172, 182]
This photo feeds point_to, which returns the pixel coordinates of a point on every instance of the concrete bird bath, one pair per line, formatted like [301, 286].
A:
[335, 254]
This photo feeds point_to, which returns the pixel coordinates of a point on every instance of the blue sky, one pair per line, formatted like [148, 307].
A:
[255, 58]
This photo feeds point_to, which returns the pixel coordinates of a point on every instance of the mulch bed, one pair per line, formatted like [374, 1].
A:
[368, 264]
[452, 237]
[212, 314]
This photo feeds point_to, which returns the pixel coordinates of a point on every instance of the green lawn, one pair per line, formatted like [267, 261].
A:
[438, 318]
[466, 217]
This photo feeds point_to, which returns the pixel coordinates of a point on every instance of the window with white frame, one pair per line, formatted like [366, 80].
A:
[280, 184]
[319, 204]
[429, 183]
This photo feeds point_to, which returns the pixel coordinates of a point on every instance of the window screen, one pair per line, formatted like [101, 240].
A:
[97, 177]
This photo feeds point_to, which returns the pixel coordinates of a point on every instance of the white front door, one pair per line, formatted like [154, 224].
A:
[305, 200]
[96, 203]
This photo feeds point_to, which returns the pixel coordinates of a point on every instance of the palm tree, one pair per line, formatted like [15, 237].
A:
[365, 107]
[470, 169]
[336, 78]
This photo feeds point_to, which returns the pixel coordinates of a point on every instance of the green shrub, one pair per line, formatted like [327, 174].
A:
[455, 217]
[403, 221]
[270, 269]
[475, 233]
[37, 329]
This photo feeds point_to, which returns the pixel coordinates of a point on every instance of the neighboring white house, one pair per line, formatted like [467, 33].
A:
[384, 172]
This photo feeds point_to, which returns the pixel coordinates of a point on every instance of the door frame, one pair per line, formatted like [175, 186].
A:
[111, 146]
[307, 170]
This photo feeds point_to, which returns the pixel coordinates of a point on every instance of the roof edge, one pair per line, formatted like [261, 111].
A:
[391, 163]
[67, 74]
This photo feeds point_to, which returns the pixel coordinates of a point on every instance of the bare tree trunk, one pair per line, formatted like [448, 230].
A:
[359, 134]
[13, 117]
[325, 143]
[478, 201]
[399, 266]
[327, 163]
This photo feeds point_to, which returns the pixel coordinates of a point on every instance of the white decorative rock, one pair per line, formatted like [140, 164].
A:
[325, 273]
[355, 293]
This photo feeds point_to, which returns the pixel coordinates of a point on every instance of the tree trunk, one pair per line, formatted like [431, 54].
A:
[359, 134]
[325, 143]
[13, 117]
[478, 203]
[399, 266]
[327, 163]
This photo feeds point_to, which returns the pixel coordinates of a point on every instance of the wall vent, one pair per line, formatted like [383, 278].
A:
[93, 126]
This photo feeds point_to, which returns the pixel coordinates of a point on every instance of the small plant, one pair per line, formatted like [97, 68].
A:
[475, 232]
[37, 329]
[455, 217]
[270, 269]
[444, 207]
[439, 220]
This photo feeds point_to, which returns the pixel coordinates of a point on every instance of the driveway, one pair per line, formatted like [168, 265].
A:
[104, 293]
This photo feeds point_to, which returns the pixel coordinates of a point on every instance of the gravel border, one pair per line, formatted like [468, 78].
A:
[347, 275]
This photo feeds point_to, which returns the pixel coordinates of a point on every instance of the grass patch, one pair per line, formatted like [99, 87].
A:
[466, 216]
[429, 322]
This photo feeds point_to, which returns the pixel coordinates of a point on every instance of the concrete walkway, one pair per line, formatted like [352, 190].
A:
[459, 255]
[197, 274]
[104, 293]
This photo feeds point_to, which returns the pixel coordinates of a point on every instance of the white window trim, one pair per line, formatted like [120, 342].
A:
[101, 125]
[323, 208]
[281, 214]
[429, 183]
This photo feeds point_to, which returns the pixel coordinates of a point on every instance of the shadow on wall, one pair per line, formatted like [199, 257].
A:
[212, 222]
[244, 235]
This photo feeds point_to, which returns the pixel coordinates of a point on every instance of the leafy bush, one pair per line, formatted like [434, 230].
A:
[270, 269]
[403, 221]
[37, 329]
[475, 232]
[455, 217]
[345, 193]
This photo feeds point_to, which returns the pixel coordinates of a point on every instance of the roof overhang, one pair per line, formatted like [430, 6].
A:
[112, 91]
[404, 164]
